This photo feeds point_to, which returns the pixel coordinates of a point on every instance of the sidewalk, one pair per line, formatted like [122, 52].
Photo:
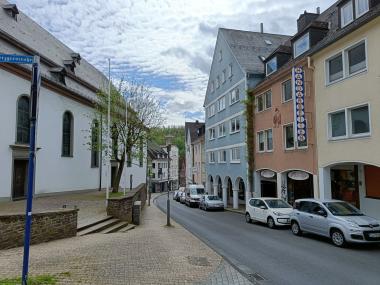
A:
[150, 254]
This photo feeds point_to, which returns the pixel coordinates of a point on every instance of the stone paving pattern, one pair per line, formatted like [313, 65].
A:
[150, 254]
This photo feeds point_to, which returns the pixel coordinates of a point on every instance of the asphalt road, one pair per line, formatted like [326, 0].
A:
[277, 255]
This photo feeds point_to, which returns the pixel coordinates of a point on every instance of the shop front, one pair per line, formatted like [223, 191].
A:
[299, 185]
[268, 183]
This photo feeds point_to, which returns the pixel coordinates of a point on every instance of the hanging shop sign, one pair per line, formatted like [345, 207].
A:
[267, 173]
[298, 77]
[298, 175]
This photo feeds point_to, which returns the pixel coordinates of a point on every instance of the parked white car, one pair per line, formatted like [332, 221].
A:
[272, 211]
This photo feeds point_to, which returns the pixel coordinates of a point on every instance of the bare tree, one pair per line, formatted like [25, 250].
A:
[128, 136]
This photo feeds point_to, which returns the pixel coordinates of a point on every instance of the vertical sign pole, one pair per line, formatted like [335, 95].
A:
[31, 170]
[168, 200]
[108, 172]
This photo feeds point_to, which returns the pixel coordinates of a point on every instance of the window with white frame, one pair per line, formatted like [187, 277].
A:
[217, 82]
[211, 133]
[346, 63]
[350, 122]
[235, 96]
[271, 66]
[235, 154]
[346, 14]
[265, 140]
[221, 103]
[222, 155]
[287, 93]
[230, 70]
[221, 130]
[211, 110]
[212, 86]
[301, 45]
[361, 7]
[264, 101]
[269, 140]
[235, 125]
[261, 141]
[211, 157]
[289, 136]
[224, 76]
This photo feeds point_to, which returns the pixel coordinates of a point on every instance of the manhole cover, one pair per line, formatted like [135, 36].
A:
[255, 277]
[198, 260]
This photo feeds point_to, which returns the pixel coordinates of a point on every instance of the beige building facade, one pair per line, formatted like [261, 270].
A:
[347, 92]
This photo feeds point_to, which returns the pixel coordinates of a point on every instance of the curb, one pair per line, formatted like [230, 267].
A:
[234, 211]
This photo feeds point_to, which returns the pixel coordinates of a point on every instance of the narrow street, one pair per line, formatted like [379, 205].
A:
[277, 255]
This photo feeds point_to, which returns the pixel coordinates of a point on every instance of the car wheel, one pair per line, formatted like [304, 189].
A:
[296, 230]
[270, 223]
[337, 238]
[248, 218]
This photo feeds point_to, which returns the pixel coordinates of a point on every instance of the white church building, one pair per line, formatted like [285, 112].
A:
[64, 159]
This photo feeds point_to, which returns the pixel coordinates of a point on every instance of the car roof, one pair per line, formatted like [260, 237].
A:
[267, 198]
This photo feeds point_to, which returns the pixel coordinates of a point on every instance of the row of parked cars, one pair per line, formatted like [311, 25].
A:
[194, 195]
[335, 219]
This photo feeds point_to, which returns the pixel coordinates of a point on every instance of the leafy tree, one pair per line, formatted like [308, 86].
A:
[144, 113]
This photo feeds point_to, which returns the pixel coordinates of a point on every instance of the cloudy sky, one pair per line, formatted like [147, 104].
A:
[166, 43]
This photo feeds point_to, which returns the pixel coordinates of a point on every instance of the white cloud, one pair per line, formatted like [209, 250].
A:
[169, 38]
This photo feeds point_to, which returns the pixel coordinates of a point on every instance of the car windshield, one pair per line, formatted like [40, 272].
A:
[197, 191]
[342, 209]
[277, 203]
[213, 198]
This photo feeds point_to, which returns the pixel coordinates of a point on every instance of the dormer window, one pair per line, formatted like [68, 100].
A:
[271, 66]
[361, 7]
[302, 45]
[347, 14]
[12, 10]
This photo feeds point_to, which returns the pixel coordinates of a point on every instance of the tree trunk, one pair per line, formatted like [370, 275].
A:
[119, 173]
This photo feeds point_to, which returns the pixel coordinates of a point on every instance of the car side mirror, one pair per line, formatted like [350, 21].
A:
[322, 213]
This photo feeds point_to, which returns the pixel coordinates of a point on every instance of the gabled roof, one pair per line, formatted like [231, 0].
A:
[193, 127]
[247, 47]
[154, 150]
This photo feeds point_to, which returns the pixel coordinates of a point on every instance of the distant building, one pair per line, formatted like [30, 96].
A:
[195, 153]
[65, 160]
[237, 65]
[159, 170]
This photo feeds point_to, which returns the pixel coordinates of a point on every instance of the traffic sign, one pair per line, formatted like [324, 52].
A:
[14, 58]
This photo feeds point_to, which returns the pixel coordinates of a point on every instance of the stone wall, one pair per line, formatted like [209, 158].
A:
[46, 226]
[122, 207]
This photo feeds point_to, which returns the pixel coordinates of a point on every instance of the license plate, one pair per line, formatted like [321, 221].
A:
[374, 235]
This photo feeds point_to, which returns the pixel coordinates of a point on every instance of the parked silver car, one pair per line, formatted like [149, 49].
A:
[211, 202]
[336, 219]
[182, 198]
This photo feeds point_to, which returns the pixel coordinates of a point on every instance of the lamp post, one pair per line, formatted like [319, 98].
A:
[168, 147]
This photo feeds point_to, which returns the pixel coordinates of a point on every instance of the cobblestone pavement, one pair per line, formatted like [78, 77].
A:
[150, 254]
[91, 205]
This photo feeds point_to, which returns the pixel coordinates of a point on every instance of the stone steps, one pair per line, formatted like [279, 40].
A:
[98, 227]
[127, 228]
[115, 228]
[81, 228]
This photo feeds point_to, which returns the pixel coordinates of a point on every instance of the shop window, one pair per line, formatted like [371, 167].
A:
[372, 175]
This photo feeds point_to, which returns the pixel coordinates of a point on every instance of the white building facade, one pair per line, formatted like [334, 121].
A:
[64, 159]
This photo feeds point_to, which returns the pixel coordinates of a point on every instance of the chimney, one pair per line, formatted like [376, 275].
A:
[305, 19]
[318, 10]
[262, 28]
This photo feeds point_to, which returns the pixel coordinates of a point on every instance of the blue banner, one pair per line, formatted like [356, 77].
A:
[13, 58]
[299, 104]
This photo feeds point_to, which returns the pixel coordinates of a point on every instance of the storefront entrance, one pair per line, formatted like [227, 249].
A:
[345, 184]
[300, 185]
[268, 188]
